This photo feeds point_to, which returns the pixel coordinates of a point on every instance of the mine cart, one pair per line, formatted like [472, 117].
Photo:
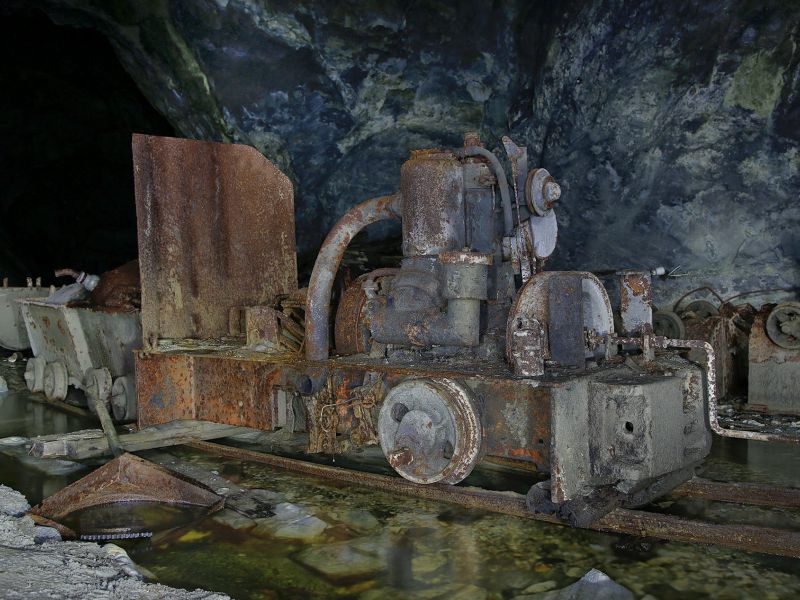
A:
[80, 342]
[467, 350]
[13, 335]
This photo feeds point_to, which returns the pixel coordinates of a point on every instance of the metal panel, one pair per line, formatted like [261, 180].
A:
[566, 321]
[13, 335]
[82, 337]
[216, 230]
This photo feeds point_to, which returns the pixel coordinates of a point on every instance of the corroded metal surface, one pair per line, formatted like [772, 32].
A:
[774, 372]
[636, 302]
[13, 334]
[243, 389]
[631, 522]
[740, 493]
[82, 337]
[195, 387]
[432, 185]
[128, 478]
[318, 299]
[216, 230]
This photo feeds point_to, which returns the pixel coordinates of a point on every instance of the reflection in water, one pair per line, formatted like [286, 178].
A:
[21, 417]
[328, 540]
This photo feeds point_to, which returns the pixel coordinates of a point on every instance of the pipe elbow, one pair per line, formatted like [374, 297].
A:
[318, 299]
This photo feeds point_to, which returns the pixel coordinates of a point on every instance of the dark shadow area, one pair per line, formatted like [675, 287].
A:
[66, 116]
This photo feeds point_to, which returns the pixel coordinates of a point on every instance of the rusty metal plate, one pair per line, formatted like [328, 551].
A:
[245, 391]
[216, 230]
[164, 388]
[128, 478]
[217, 389]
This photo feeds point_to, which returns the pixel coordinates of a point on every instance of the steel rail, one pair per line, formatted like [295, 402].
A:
[625, 521]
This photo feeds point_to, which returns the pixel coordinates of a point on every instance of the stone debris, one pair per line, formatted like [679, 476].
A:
[595, 585]
[13, 440]
[12, 503]
[35, 564]
[3, 385]
[291, 522]
[344, 561]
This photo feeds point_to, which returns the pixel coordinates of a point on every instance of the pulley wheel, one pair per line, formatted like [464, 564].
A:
[783, 325]
[668, 324]
[702, 309]
[123, 399]
[98, 383]
[430, 430]
[34, 374]
[56, 381]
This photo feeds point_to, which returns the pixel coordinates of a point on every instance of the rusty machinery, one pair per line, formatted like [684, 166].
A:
[467, 350]
[757, 351]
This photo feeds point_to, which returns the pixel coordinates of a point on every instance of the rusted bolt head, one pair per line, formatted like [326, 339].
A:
[551, 192]
[401, 457]
[472, 138]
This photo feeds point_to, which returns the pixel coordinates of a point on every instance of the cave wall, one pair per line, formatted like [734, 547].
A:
[67, 110]
[673, 127]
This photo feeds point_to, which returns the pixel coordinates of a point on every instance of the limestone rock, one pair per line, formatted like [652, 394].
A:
[12, 503]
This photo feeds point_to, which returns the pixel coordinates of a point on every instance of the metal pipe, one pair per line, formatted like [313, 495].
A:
[318, 298]
[502, 182]
[711, 388]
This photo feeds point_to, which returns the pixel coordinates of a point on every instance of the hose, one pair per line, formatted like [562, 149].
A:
[502, 182]
[318, 299]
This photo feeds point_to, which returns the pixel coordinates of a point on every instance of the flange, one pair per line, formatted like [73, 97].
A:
[783, 325]
[34, 373]
[56, 381]
[98, 383]
[123, 398]
[430, 430]
[669, 325]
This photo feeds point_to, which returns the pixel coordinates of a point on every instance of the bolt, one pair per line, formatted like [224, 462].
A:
[401, 457]
[551, 193]
[472, 138]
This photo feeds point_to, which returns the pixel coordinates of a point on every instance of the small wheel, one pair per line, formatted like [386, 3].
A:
[56, 381]
[666, 323]
[123, 399]
[702, 309]
[783, 325]
[34, 373]
[430, 430]
[97, 383]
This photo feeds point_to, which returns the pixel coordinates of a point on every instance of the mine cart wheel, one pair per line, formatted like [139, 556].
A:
[783, 325]
[34, 374]
[702, 309]
[56, 381]
[98, 384]
[430, 430]
[123, 399]
[668, 324]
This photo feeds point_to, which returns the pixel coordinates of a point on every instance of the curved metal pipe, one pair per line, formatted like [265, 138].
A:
[502, 182]
[318, 298]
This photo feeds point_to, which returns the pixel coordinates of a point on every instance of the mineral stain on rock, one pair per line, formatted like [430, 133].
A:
[674, 130]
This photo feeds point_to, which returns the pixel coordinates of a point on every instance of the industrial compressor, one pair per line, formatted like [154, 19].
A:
[467, 350]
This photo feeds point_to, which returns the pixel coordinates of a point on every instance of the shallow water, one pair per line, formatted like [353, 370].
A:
[343, 541]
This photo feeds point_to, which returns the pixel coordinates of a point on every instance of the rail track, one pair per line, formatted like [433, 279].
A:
[768, 540]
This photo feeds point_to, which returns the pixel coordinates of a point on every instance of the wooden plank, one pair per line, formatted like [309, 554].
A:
[90, 443]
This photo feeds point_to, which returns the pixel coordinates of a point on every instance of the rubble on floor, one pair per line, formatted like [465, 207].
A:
[35, 563]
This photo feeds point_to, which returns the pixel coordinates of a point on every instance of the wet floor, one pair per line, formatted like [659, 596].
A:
[321, 539]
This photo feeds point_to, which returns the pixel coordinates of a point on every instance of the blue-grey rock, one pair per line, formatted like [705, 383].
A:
[42, 534]
[12, 503]
[674, 129]
[595, 585]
